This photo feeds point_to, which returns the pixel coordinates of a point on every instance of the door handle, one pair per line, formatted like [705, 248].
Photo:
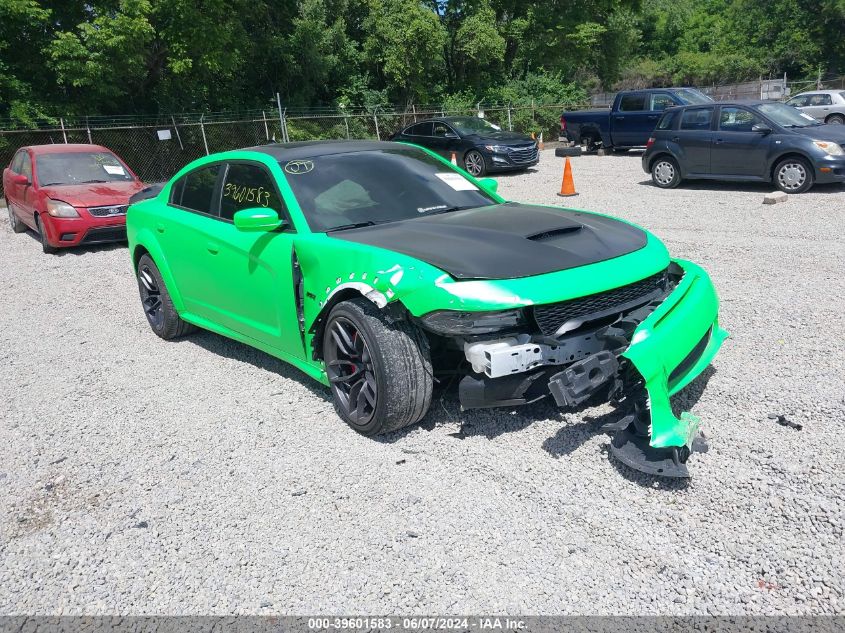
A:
[620, 118]
[675, 139]
[718, 141]
[212, 247]
[160, 227]
[652, 117]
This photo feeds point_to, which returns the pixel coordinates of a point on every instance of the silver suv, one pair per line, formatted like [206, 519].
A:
[824, 105]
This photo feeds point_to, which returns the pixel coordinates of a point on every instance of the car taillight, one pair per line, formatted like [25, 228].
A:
[650, 142]
[562, 124]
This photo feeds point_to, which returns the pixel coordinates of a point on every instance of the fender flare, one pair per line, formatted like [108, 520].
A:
[145, 241]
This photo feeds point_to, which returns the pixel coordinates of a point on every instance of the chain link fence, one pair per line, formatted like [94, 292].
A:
[158, 147]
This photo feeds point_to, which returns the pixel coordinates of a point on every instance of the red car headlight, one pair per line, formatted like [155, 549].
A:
[59, 209]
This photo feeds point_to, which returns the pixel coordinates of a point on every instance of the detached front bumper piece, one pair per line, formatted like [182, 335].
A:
[645, 356]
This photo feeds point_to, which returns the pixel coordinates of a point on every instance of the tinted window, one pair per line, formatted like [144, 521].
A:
[661, 101]
[737, 120]
[196, 190]
[697, 119]
[798, 102]
[667, 121]
[820, 100]
[474, 125]
[378, 186]
[246, 187]
[632, 102]
[420, 129]
[441, 129]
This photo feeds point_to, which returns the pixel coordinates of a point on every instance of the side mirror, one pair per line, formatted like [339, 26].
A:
[489, 184]
[256, 219]
[762, 128]
[20, 179]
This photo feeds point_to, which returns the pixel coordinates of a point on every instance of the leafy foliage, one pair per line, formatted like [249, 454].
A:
[147, 56]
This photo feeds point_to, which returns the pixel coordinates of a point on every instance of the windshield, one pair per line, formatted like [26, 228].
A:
[376, 186]
[787, 116]
[474, 125]
[76, 168]
[691, 96]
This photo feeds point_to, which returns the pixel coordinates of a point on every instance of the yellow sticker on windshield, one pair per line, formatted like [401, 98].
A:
[297, 167]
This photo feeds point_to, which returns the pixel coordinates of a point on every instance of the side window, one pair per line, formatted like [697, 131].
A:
[798, 102]
[667, 121]
[247, 186]
[820, 100]
[420, 129]
[26, 166]
[17, 161]
[697, 119]
[195, 190]
[661, 101]
[441, 129]
[632, 102]
[737, 120]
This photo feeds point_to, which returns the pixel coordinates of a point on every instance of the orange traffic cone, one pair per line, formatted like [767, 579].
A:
[567, 187]
[454, 159]
[541, 141]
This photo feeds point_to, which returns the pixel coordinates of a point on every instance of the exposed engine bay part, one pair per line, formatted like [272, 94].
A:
[480, 392]
[635, 451]
[580, 380]
[517, 354]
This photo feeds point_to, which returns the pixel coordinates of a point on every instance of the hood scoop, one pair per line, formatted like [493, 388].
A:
[504, 241]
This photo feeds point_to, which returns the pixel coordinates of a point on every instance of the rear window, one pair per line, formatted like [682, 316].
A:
[420, 129]
[667, 121]
[632, 102]
[697, 119]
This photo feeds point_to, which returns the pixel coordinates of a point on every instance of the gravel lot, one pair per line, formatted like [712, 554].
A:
[201, 476]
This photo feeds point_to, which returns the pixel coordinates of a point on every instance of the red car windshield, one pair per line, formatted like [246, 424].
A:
[77, 168]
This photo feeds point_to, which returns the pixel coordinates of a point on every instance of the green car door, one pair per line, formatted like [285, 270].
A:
[229, 279]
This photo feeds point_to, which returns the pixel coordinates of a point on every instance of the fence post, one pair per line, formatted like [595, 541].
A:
[346, 122]
[414, 110]
[62, 123]
[176, 129]
[375, 120]
[510, 123]
[88, 129]
[266, 129]
[204, 141]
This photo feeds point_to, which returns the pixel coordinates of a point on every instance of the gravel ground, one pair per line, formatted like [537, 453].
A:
[203, 477]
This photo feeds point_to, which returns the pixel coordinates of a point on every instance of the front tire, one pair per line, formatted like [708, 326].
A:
[379, 370]
[665, 172]
[474, 163]
[158, 306]
[794, 175]
[48, 248]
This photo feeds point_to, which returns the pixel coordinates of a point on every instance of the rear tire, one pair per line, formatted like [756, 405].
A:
[588, 144]
[665, 172]
[794, 175]
[48, 248]
[157, 304]
[836, 119]
[380, 370]
[14, 222]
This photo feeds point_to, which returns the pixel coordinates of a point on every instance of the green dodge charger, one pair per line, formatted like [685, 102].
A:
[380, 268]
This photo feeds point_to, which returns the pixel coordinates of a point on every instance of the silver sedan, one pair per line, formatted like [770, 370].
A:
[825, 105]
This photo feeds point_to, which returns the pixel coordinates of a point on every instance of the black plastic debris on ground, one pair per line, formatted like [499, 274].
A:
[784, 421]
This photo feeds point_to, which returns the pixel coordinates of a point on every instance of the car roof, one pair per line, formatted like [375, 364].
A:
[724, 102]
[310, 149]
[66, 148]
[817, 92]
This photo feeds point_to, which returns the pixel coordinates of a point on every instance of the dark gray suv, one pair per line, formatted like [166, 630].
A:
[745, 140]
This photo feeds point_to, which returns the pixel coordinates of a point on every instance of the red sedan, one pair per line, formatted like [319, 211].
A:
[69, 194]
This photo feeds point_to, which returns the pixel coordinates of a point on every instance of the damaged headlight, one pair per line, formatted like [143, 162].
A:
[454, 322]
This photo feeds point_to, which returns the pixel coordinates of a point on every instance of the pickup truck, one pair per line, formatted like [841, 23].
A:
[630, 120]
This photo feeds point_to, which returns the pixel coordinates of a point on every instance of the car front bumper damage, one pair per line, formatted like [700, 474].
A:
[637, 361]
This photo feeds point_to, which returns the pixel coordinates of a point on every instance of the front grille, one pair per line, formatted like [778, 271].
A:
[105, 234]
[522, 155]
[106, 212]
[551, 316]
[692, 358]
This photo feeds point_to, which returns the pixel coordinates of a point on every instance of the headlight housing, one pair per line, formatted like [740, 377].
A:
[829, 147]
[457, 323]
[497, 149]
[59, 209]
